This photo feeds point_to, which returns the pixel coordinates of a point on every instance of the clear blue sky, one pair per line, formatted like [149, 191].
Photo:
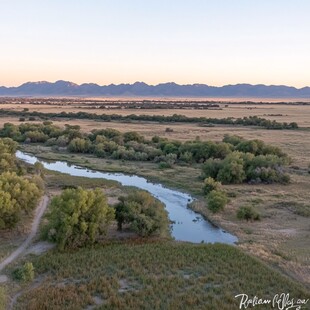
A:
[215, 42]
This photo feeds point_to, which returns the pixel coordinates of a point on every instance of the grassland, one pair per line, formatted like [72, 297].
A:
[156, 275]
[191, 276]
[278, 112]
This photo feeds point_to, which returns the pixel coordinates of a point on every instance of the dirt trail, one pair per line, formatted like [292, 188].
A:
[38, 214]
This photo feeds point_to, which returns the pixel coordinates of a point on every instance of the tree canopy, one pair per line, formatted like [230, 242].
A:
[78, 217]
[144, 214]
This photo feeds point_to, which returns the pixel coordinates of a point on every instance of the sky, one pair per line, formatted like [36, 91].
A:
[214, 42]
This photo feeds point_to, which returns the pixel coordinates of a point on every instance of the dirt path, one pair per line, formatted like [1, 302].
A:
[37, 217]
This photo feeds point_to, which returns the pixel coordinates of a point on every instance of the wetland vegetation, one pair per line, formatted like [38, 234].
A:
[251, 174]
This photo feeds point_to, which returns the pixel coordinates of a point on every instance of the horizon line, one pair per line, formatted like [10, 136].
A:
[161, 83]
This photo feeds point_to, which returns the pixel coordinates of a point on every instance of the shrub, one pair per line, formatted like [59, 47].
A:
[216, 200]
[164, 165]
[247, 213]
[209, 185]
[24, 273]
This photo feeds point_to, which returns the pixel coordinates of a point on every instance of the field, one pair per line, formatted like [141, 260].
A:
[135, 273]
[157, 275]
[278, 112]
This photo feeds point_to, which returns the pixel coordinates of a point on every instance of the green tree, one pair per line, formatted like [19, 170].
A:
[25, 192]
[232, 170]
[9, 212]
[17, 195]
[78, 217]
[79, 145]
[144, 214]
[7, 154]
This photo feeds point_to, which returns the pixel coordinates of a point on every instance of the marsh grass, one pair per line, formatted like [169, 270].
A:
[155, 275]
[59, 180]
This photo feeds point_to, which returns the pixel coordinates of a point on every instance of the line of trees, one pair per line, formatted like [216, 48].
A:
[245, 121]
[79, 217]
[233, 160]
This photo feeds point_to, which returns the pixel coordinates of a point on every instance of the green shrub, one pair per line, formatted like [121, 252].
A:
[24, 273]
[164, 165]
[216, 200]
[247, 213]
[209, 185]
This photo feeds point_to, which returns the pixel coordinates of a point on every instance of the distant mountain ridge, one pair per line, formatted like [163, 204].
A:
[65, 88]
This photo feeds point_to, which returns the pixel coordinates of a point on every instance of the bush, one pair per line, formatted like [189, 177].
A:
[247, 213]
[209, 185]
[144, 214]
[164, 165]
[216, 200]
[24, 273]
[77, 218]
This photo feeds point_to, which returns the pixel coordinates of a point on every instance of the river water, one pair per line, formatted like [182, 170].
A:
[187, 224]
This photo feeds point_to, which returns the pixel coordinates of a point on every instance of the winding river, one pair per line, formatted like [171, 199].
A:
[187, 224]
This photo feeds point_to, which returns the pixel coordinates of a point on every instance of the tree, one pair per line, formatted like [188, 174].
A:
[211, 168]
[132, 136]
[17, 195]
[7, 154]
[144, 214]
[79, 145]
[78, 217]
[216, 200]
[9, 213]
[232, 170]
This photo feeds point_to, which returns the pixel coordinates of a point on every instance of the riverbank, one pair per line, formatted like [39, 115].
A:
[280, 238]
[186, 225]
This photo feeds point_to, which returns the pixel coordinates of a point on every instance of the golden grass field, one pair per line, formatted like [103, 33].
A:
[289, 113]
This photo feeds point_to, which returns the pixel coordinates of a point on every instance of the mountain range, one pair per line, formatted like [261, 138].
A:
[65, 88]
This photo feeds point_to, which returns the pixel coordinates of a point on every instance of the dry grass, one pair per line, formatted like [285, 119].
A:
[289, 113]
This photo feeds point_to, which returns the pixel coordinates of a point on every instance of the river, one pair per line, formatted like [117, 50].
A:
[187, 225]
